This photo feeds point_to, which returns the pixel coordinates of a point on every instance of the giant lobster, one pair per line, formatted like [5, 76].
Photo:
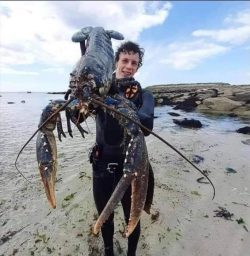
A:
[90, 82]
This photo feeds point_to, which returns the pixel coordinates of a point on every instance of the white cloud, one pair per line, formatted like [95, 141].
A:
[128, 17]
[40, 32]
[240, 18]
[32, 31]
[238, 31]
[10, 71]
[19, 57]
[186, 56]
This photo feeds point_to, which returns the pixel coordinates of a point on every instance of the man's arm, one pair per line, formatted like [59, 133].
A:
[146, 111]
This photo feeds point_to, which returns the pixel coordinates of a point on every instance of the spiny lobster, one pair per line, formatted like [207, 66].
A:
[90, 82]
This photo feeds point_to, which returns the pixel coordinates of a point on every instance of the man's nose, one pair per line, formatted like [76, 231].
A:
[129, 65]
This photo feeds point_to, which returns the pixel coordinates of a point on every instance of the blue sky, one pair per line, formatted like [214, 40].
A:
[184, 41]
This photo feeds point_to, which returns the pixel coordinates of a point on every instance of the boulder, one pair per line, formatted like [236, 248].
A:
[173, 114]
[188, 123]
[187, 105]
[221, 104]
[240, 96]
[203, 94]
[244, 130]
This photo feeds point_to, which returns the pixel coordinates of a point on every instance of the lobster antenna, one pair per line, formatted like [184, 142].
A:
[39, 128]
[157, 136]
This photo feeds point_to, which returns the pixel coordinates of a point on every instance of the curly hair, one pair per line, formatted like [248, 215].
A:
[128, 47]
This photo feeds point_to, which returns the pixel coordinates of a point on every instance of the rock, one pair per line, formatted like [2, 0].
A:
[159, 101]
[210, 98]
[10, 102]
[246, 142]
[243, 111]
[240, 96]
[230, 170]
[187, 105]
[173, 114]
[188, 123]
[221, 104]
[206, 93]
[232, 115]
[197, 159]
[22, 101]
[244, 130]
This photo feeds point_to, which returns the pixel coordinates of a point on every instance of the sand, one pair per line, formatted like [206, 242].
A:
[182, 220]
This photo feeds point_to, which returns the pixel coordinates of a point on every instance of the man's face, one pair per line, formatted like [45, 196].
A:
[127, 65]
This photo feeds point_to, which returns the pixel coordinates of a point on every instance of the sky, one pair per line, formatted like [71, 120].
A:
[184, 41]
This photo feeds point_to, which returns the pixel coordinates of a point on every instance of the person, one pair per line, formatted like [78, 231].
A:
[107, 155]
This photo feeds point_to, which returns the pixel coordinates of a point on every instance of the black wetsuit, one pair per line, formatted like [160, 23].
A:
[107, 160]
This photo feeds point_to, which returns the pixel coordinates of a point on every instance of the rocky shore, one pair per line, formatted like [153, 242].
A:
[211, 98]
[184, 219]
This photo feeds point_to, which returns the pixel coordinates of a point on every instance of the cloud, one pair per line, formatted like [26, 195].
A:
[237, 33]
[31, 34]
[186, 56]
[39, 33]
[10, 71]
[117, 15]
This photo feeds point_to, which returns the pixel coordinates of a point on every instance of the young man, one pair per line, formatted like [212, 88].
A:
[107, 155]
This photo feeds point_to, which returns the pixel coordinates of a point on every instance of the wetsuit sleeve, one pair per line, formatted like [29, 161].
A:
[146, 111]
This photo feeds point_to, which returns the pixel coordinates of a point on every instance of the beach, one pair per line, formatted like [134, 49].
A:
[184, 219]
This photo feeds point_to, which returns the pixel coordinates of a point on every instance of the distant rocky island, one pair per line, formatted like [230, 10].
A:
[211, 98]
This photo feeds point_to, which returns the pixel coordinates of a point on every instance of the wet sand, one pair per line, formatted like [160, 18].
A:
[182, 220]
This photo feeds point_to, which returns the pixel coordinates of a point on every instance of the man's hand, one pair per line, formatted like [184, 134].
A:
[126, 82]
[129, 86]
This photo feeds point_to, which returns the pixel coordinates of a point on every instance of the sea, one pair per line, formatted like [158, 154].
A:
[20, 114]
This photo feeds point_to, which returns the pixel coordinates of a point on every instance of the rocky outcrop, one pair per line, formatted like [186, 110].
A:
[212, 98]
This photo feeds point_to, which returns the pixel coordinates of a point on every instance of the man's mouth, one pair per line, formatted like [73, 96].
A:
[126, 74]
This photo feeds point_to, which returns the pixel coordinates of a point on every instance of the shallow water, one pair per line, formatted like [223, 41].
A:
[20, 120]
[211, 123]
[24, 205]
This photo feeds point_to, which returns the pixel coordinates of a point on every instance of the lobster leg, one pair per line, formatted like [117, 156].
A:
[71, 116]
[59, 127]
[68, 117]
[79, 127]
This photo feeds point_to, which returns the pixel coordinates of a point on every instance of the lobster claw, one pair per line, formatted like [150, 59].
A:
[46, 157]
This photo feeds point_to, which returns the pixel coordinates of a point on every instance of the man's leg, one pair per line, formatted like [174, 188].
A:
[102, 190]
